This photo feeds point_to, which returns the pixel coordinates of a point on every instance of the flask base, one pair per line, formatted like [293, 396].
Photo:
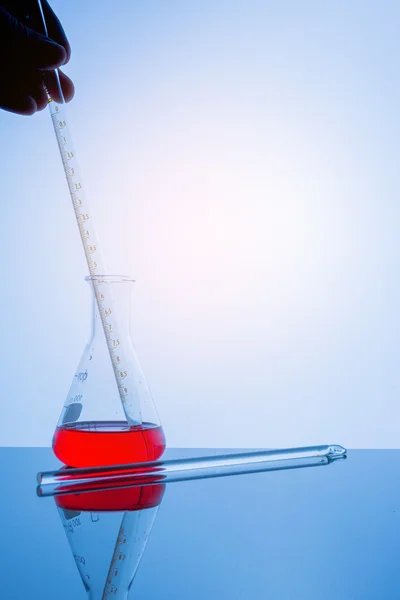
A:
[101, 443]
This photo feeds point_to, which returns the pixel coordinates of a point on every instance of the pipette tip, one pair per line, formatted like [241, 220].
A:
[336, 451]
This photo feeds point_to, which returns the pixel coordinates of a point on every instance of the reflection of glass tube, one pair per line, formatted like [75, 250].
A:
[168, 471]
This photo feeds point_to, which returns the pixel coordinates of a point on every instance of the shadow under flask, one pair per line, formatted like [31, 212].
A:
[93, 429]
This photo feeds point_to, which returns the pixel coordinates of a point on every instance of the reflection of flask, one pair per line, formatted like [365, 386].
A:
[93, 429]
[108, 532]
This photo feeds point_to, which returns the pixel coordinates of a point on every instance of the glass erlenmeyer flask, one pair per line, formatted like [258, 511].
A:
[93, 429]
[108, 532]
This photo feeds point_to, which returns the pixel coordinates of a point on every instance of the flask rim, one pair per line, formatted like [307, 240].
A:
[110, 278]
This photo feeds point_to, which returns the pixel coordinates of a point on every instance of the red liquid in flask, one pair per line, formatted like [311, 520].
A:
[101, 443]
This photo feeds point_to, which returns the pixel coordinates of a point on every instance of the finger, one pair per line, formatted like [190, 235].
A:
[24, 93]
[67, 87]
[55, 30]
[21, 45]
[18, 102]
[38, 93]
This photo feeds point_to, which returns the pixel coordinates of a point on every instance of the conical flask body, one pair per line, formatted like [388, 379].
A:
[94, 428]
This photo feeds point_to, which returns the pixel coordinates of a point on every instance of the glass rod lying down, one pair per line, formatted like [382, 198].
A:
[68, 480]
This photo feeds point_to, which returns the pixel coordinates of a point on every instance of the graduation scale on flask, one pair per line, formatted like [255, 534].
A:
[109, 416]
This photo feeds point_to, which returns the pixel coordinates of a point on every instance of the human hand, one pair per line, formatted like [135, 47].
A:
[28, 58]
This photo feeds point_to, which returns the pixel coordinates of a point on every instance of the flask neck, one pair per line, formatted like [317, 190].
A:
[119, 290]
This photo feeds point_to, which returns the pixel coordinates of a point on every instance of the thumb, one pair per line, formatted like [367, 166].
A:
[20, 43]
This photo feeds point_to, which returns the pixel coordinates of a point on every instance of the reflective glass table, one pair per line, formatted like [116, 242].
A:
[328, 533]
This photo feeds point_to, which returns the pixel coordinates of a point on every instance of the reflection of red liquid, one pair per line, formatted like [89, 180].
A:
[133, 498]
[101, 443]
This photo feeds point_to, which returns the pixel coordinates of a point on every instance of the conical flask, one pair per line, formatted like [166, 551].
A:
[108, 532]
[93, 429]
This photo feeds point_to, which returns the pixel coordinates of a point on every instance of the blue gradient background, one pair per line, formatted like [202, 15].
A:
[242, 160]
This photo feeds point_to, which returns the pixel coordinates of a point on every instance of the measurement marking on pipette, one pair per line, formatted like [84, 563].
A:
[118, 557]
